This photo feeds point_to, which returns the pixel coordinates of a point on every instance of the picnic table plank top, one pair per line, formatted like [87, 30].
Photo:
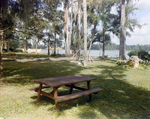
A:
[63, 80]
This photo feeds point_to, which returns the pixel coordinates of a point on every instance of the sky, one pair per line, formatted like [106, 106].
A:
[139, 36]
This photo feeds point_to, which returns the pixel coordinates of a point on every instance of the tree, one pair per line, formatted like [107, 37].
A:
[123, 22]
[54, 16]
[107, 20]
[101, 12]
[24, 17]
[93, 19]
[72, 19]
[5, 12]
[37, 24]
[65, 34]
[122, 32]
[79, 24]
[17, 9]
[48, 36]
[85, 32]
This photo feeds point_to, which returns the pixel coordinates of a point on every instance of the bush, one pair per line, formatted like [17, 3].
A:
[133, 53]
[120, 63]
[146, 62]
[142, 54]
[130, 63]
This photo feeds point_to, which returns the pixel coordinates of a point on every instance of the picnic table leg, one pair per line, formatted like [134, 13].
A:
[88, 85]
[55, 95]
[71, 88]
[39, 92]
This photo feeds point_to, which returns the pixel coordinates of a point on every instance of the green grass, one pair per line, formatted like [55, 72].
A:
[126, 92]
[28, 55]
[25, 55]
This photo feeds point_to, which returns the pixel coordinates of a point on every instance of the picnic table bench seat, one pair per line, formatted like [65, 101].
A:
[37, 88]
[76, 95]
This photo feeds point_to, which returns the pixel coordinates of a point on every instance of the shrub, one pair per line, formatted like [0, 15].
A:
[133, 53]
[142, 54]
[146, 62]
[130, 63]
[120, 63]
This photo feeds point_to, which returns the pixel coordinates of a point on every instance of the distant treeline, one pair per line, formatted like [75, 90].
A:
[112, 46]
[116, 47]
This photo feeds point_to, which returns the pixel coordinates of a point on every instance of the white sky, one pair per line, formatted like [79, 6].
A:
[139, 36]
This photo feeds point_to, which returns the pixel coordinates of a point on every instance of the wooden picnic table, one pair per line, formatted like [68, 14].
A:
[68, 81]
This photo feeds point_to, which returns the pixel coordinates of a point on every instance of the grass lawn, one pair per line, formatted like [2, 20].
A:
[126, 92]
[25, 55]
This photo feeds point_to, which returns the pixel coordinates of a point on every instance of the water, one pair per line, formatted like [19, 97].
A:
[97, 53]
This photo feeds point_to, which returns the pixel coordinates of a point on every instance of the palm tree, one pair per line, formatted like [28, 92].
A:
[101, 12]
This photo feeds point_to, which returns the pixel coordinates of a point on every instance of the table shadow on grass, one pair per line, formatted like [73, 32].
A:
[119, 98]
[24, 72]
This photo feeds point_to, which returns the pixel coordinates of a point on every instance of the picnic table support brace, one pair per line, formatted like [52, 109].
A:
[55, 95]
[39, 92]
[76, 87]
[88, 85]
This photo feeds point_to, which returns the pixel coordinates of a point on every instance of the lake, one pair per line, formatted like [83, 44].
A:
[97, 53]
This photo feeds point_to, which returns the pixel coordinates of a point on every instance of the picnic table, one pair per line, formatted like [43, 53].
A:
[68, 81]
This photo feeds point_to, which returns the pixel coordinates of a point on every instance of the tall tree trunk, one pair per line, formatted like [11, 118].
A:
[65, 44]
[65, 34]
[36, 47]
[1, 35]
[72, 46]
[1, 39]
[48, 46]
[70, 27]
[67, 38]
[26, 42]
[2, 44]
[92, 40]
[26, 45]
[0, 64]
[85, 32]
[79, 27]
[8, 45]
[103, 53]
[122, 33]
[55, 45]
